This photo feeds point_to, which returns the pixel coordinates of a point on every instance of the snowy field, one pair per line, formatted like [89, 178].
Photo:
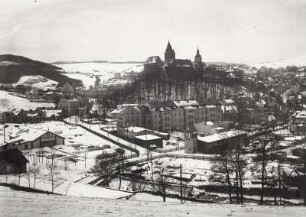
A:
[76, 140]
[9, 102]
[37, 81]
[18, 203]
[87, 71]
[74, 160]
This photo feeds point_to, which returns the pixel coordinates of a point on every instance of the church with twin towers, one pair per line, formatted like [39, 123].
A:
[170, 59]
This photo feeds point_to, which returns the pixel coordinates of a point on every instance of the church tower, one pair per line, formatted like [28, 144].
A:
[169, 54]
[198, 64]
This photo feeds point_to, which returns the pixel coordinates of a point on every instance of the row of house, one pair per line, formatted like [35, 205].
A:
[30, 116]
[165, 116]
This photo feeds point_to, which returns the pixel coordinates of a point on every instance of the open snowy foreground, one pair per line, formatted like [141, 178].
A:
[18, 203]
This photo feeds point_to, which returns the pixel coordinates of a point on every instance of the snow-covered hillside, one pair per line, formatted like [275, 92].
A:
[105, 70]
[18, 203]
[297, 61]
[37, 81]
[9, 102]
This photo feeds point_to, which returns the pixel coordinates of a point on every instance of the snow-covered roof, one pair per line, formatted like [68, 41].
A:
[135, 129]
[210, 106]
[165, 109]
[221, 136]
[183, 103]
[301, 114]
[148, 137]
[53, 112]
[229, 101]
[28, 135]
[190, 107]
[32, 115]
[209, 123]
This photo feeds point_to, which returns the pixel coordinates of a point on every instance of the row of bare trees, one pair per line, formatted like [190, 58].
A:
[263, 162]
[233, 165]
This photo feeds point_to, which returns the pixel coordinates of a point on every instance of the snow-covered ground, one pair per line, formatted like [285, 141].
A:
[76, 139]
[37, 81]
[86, 72]
[9, 102]
[18, 203]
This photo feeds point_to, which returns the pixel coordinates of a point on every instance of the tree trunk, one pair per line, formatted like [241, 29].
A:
[164, 192]
[229, 184]
[119, 177]
[241, 187]
[19, 179]
[29, 177]
[237, 188]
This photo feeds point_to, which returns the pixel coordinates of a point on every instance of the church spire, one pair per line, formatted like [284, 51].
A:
[169, 54]
[198, 65]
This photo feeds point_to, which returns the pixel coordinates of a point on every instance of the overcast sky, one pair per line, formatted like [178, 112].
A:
[244, 31]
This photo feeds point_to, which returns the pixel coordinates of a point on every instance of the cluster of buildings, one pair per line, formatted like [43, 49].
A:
[12, 160]
[30, 116]
[29, 139]
[205, 129]
[213, 138]
[165, 116]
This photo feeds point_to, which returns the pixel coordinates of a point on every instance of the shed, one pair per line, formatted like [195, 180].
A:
[216, 143]
[148, 140]
[12, 162]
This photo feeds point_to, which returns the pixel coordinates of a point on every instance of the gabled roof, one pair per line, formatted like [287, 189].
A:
[13, 156]
[222, 136]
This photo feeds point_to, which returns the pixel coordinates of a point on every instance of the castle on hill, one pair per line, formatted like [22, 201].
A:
[171, 61]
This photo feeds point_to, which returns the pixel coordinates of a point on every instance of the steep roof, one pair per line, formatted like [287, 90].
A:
[13, 156]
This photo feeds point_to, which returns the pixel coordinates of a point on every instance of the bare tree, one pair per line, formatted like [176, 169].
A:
[53, 173]
[160, 182]
[239, 166]
[106, 165]
[265, 156]
[262, 166]
[224, 165]
[34, 168]
[120, 155]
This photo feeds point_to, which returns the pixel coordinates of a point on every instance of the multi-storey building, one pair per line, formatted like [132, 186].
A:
[129, 116]
[166, 116]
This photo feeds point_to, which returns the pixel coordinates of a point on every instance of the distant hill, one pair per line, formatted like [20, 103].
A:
[94, 61]
[12, 68]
